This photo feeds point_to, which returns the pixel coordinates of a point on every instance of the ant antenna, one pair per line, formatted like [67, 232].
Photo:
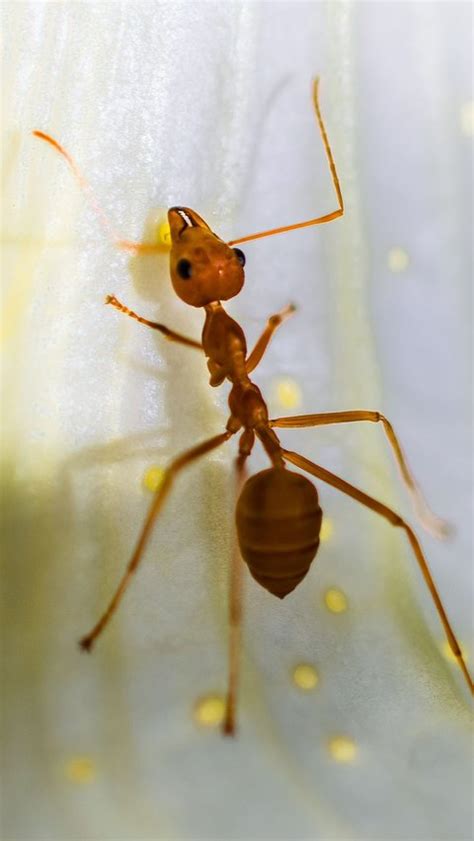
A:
[126, 245]
[328, 217]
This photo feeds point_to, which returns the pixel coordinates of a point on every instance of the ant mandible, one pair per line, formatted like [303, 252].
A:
[278, 517]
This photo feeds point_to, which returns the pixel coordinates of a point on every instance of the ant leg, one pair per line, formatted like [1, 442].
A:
[126, 245]
[171, 335]
[328, 217]
[161, 494]
[395, 520]
[273, 322]
[235, 596]
[433, 524]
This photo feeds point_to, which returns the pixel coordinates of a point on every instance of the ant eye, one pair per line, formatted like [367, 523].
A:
[184, 269]
[240, 256]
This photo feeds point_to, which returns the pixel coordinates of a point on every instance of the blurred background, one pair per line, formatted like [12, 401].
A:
[353, 719]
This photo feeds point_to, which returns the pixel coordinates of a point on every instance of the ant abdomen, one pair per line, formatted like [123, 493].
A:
[278, 523]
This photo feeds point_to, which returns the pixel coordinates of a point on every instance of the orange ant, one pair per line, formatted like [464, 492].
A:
[278, 517]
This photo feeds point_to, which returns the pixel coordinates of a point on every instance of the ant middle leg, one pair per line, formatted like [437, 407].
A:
[433, 524]
[161, 494]
[395, 520]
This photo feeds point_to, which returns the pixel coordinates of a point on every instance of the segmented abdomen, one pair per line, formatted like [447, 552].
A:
[278, 523]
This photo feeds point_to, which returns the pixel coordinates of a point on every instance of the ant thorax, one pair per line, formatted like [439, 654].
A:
[224, 344]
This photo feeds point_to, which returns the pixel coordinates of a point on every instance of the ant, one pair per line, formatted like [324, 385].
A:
[278, 517]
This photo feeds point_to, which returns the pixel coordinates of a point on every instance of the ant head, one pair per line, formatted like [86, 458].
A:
[203, 267]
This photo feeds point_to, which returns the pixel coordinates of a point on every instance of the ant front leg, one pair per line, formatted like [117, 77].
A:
[161, 494]
[247, 441]
[273, 322]
[433, 524]
[395, 520]
[171, 335]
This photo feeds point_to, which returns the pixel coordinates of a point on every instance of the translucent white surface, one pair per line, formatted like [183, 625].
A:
[208, 105]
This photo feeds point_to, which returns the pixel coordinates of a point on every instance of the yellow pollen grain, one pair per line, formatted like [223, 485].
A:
[305, 677]
[209, 711]
[80, 769]
[342, 749]
[288, 393]
[447, 652]
[335, 600]
[164, 234]
[327, 530]
[153, 478]
[397, 260]
[467, 118]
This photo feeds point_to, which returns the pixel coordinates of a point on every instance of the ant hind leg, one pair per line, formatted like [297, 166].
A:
[235, 596]
[395, 520]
